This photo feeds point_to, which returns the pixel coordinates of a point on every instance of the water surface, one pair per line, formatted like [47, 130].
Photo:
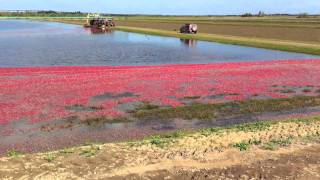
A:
[30, 43]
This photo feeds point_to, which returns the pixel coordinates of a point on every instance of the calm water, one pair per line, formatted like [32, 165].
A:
[31, 43]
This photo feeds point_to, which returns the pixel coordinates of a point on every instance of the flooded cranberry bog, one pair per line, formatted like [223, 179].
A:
[65, 88]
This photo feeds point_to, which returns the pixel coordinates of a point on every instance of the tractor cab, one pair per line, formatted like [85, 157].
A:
[110, 22]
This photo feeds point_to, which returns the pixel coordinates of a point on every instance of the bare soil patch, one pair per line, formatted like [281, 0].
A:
[303, 164]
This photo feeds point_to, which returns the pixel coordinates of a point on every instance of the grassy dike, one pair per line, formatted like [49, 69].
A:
[252, 42]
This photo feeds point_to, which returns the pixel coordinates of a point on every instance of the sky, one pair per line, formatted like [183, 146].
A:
[166, 7]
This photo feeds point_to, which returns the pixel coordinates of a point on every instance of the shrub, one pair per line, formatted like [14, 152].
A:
[50, 157]
[303, 15]
[242, 146]
[14, 153]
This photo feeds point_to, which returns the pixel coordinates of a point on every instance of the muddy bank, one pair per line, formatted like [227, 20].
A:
[47, 136]
[259, 150]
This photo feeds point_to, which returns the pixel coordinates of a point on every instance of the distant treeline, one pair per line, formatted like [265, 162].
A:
[41, 14]
[50, 13]
[262, 14]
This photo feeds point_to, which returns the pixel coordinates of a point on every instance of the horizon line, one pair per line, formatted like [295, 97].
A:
[137, 14]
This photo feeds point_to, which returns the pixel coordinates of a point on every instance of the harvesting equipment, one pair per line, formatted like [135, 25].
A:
[189, 29]
[97, 21]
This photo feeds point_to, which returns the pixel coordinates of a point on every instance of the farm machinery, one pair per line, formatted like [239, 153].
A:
[99, 22]
[189, 29]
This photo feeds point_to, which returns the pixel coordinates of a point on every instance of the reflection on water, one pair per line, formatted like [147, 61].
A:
[99, 31]
[189, 42]
[31, 43]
